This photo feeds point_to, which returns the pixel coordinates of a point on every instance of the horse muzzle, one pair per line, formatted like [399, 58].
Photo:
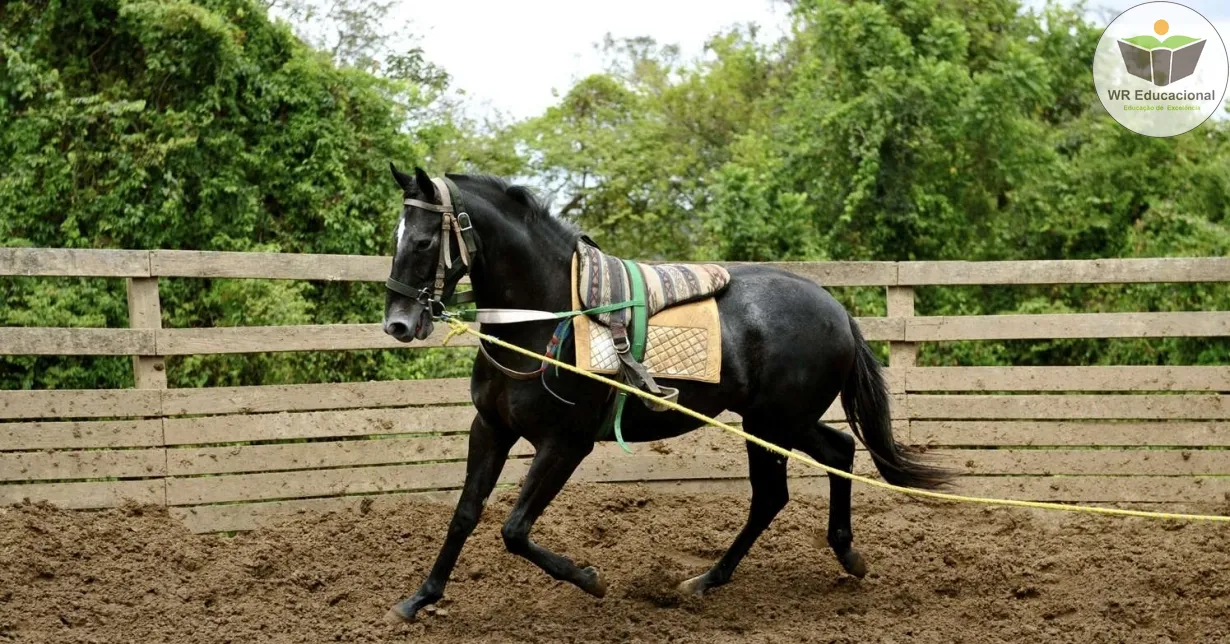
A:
[415, 323]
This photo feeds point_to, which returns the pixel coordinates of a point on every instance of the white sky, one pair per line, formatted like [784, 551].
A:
[516, 75]
[519, 75]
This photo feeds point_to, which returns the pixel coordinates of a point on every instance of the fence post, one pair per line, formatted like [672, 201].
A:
[902, 355]
[901, 305]
[145, 312]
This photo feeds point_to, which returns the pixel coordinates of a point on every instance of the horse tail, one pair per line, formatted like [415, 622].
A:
[866, 402]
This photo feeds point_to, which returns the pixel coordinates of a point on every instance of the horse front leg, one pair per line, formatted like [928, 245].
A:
[488, 449]
[554, 463]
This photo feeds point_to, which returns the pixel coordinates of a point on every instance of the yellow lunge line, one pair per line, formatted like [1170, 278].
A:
[459, 327]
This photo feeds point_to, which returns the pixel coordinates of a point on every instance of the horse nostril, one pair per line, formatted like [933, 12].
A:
[396, 329]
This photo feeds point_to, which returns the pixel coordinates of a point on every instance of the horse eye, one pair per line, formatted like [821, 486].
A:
[422, 244]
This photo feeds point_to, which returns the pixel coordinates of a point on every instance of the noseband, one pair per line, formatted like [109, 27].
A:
[454, 219]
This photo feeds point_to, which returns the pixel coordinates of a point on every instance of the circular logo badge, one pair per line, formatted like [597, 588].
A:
[1161, 69]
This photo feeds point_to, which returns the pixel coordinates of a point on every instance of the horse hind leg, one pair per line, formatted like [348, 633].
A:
[835, 448]
[767, 473]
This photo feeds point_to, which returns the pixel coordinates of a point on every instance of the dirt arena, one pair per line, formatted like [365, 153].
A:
[939, 573]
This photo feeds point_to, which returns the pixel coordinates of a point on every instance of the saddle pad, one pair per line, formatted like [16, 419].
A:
[684, 342]
[603, 279]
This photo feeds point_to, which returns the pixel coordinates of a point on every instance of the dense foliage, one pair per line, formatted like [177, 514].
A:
[194, 125]
[896, 130]
[887, 130]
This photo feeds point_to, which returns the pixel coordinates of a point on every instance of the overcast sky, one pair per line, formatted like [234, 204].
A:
[511, 55]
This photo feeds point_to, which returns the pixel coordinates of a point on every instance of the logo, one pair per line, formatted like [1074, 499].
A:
[1161, 62]
[1161, 69]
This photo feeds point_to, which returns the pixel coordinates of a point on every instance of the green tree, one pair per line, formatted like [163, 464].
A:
[196, 125]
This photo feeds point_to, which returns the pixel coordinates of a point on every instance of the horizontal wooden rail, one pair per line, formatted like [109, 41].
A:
[1067, 271]
[62, 262]
[80, 434]
[1066, 433]
[52, 262]
[1068, 325]
[280, 266]
[351, 337]
[326, 337]
[1092, 407]
[79, 403]
[1067, 379]
[44, 341]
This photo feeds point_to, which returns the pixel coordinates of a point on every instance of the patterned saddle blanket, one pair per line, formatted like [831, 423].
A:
[684, 335]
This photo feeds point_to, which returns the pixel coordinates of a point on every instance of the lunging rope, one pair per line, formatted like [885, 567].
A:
[458, 327]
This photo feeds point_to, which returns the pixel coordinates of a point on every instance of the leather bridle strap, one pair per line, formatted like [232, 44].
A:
[453, 219]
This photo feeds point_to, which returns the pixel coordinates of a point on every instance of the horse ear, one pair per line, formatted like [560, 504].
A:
[424, 183]
[404, 180]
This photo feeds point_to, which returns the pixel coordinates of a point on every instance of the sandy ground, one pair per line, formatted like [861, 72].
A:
[939, 573]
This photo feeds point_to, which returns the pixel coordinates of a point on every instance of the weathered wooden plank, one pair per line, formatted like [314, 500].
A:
[283, 266]
[1058, 489]
[1068, 379]
[65, 262]
[1134, 489]
[250, 516]
[1068, 325]
[1064, 433]
[835, 273]
[86, 495]
[282, 426]
[80, 435]
[350, 395]
[1099, 489]
[901, 305]
[310, 483]
[1081, 271]
[303, 456]
[895, 378]
[78, 403]
[897, 409]
[47, 341]
[1085, 462]
[876, 328]
[385, 451]
[321, 337]
[642, 466]
[1041, 407]
[650, 466]
[145, 312]
[89, 464]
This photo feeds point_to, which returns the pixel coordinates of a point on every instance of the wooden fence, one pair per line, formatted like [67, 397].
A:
[231, 458]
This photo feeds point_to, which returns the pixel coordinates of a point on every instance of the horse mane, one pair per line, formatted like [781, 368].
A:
[534, 211]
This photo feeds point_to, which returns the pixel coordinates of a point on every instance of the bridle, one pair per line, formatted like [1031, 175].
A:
[453, 219]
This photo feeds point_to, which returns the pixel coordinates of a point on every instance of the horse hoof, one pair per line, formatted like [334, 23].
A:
[854, 564]
[694, 586]
[596, 585]
[395, 617]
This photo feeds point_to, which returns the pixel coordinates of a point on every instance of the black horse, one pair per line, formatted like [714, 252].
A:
[789, 349]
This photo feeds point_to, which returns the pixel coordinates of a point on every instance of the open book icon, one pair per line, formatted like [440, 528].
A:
[1161, 62]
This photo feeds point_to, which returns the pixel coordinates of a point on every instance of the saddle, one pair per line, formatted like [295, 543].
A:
[669, 329]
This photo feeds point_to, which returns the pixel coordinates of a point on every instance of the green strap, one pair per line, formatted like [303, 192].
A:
[640, 328]
[640, 316]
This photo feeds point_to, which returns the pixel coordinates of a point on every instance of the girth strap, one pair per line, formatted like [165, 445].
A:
[630, 347]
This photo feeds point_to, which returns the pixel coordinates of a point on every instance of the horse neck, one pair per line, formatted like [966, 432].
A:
[523, 266]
